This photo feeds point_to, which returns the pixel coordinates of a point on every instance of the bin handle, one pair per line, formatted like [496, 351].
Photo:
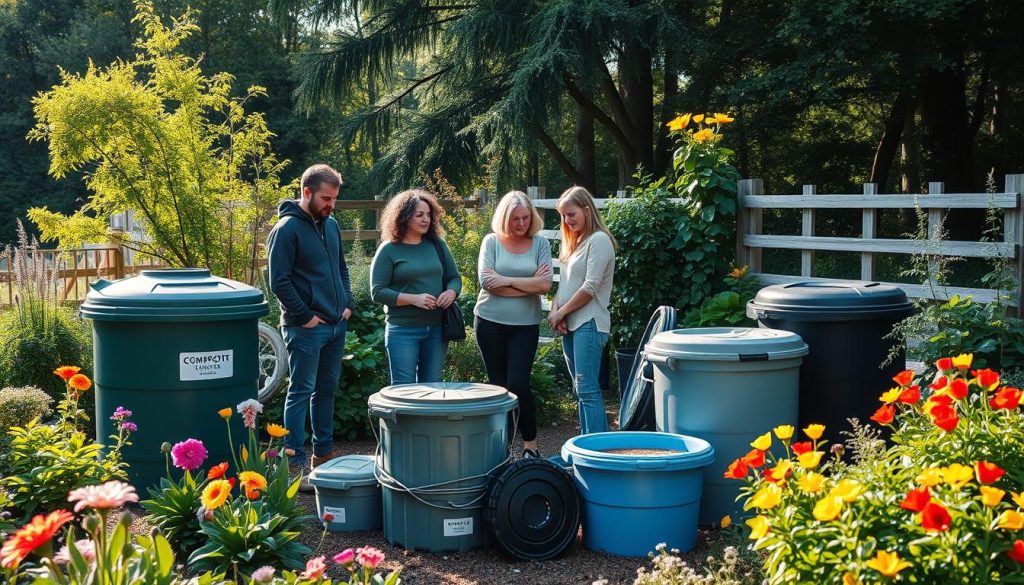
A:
[661, 359]
[388, 414]
[647, 372]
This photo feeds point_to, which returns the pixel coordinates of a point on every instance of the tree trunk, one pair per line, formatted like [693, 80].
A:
[910, 154]
[890, 141]
[586, 157]
[637, 89]
[663, 149]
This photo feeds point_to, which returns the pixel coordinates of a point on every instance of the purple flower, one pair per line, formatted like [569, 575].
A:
[263, 574]
[129, 426]
[188, 454]
[121, 413]
[271, 454]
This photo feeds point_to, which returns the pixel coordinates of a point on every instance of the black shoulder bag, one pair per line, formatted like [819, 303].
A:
[453, 326]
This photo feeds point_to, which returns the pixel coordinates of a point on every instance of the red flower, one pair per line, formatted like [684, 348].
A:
[801, 448]
[737, 470]
[911, 395]
[217, 471]
[986, 378]
[1017, 552]
[36, 533]
[942, 399]
[944, 417]
[934, 517]
[958, 388]
[916, 499]
[944, 364]
[884, 414]
[987, 472]
[232, 481]
[939, 383]
[904, 378]
[65, 372]
[755, 458]
[1007, 397]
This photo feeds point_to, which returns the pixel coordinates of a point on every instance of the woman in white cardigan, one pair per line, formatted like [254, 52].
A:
[580, 308]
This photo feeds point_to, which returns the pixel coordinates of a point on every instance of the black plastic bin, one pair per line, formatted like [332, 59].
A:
[845, 325]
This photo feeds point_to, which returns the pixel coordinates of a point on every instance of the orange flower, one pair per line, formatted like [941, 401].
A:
[987, 472]
[884, 414]
[944, 417]
[958, 389]
[802, 447]
[916, 500]
[80, 382]
[944, 364]
[276, 431]
[912, 395]
[904, 378]
[679, 122]
[252, 482]
[215, 494]
[737, 470]
[940, 383]
[720, 118]
[755, 458]
[935, 518]
[65, 372]
[986, 378]
[225, 413]
[217, 471]
[36, 533]
[703, 135]
[1007, 397]
[698, 118]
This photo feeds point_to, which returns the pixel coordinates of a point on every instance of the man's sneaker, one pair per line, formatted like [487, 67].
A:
[531, 454]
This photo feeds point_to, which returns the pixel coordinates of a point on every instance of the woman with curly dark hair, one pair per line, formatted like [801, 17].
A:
[408, 278]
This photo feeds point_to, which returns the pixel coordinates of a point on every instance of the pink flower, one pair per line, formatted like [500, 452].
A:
[369, 557]
[315, 568]
[86, 547]
[112, 494]
[263, 574]
[345, 558]
[188, 454]
[249, 409]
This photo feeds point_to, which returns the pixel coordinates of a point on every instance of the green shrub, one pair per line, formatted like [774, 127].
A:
[363, 372]
[20, 405]
[727, 308]
[464, 363]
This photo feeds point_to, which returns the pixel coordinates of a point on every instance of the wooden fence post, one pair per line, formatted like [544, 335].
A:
[1013, 233]
[807, 230]
[935, 217]
[536, 192]
[869, 223]
[748, 221]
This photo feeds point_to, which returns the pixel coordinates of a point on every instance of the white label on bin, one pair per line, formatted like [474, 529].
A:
[458, 526]
[338, 513]
[206, 365]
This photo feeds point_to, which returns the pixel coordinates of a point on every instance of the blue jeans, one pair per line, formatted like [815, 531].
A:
[415, 354]
[314, 366]
[583, 349]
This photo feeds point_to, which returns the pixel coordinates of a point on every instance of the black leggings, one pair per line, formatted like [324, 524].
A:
[508, 352]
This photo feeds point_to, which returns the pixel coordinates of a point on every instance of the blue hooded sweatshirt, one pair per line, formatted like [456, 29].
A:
[306, 261]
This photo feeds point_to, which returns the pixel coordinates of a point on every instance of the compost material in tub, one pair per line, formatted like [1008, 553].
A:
[644, 452]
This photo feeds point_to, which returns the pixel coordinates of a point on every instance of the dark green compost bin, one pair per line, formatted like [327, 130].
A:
[174, 347]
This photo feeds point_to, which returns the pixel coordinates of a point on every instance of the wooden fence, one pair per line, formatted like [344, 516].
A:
[750, 240]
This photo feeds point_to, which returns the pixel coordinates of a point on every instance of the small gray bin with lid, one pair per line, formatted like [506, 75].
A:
[347, 489]
[724, 385]
[438, 444]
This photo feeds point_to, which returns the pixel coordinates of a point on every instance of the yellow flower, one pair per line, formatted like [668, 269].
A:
[759, 526]
[810, 459]
[720, 118]
[1011, 520]
[963, 361]
[225, 413]
[811, 482]
[991, 496]
[828, 508]
[276, 431]
[930, 477]
[890, 395]
[1018, 499]
[726, 521]
[957, 475]
[888, 564]
[252, 479]
[679, 122]
[847, 489]
[782, 469]
[215, 494]
[766, 498]
[245, 454]
[698, 118]
[784, 432]
[763, 442]
[850, 579]
[739, 271]
[703, 135]
[814, 431]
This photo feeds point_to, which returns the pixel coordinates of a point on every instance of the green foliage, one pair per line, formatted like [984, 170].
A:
[464, 363]
[18, 406]
[363, 372]
[727, 308]
[465, 230]
[550, 383]
[160, 137]
[173, 507]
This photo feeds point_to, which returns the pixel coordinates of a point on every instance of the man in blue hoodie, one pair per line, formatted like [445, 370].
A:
[310, 278]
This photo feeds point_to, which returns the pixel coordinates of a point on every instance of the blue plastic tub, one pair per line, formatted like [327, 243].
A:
[633, 502]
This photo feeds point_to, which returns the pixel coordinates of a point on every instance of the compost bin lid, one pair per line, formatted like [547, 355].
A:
[533, 509]
[829, 300]
[345, 472]
[181, 294]
[737, 344]
[636, 410]
[441, 399]
[595, 450]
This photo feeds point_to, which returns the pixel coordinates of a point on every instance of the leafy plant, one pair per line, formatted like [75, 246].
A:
[465, 230]
[364, 371]
[18, 406]
[173, 507]
[727, 308]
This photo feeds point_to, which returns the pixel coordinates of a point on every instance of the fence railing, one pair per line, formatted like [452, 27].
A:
[750, 240]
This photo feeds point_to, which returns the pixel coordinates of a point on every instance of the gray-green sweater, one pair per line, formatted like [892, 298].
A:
[414, 269]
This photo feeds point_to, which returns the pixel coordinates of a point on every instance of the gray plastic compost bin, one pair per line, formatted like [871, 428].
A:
[727, 386]
[845, 325]
[438, 444]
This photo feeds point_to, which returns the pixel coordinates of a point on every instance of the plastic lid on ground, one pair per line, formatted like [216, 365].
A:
[636, 410]
[179, 294]
[441, 398]
[344, 472]
[822, 300]
[737, 344]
